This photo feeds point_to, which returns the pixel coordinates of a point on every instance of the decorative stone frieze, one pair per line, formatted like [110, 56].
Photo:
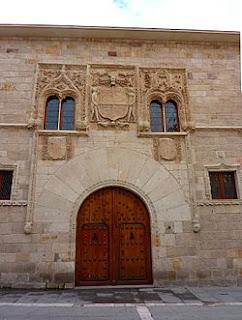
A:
[113, 96]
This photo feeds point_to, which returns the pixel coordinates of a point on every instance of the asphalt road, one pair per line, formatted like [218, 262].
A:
[122, 304]
[134, 312]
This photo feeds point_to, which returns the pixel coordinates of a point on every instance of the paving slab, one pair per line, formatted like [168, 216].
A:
[182, 295]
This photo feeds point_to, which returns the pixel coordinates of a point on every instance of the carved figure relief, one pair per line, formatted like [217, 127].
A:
[164, 85]
[62, 81]
[113, 96]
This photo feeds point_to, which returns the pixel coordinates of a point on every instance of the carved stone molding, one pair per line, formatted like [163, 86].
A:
[11, 203]
[165, 84]
[220, 203]
[113, 96]
[62, 81]
[56, 148]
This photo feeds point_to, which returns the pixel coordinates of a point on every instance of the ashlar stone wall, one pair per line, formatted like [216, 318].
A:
[195, 239]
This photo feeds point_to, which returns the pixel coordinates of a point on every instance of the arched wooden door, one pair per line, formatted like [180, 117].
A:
[113, 239]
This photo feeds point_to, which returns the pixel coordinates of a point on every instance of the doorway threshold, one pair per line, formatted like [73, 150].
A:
[128, 286]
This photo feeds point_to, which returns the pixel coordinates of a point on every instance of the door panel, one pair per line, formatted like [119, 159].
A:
[94, 258]
[132, 252]
[113, 239]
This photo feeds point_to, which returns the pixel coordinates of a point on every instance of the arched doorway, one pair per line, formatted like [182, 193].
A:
[113, 243]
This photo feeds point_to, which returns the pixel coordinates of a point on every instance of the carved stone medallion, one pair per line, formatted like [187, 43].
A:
[167, 149]
[56, 148]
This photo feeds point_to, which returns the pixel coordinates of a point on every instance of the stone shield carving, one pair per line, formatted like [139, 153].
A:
[167, 149]
[57, 148]
[113, 97]
[113, 104]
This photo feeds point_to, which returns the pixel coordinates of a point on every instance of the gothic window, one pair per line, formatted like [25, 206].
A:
[223, 185]
[156, 116]
[6, 177]
[59, 113]
[163, 117]
[171, 116]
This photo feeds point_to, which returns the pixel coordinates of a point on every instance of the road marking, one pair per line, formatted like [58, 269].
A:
[212, 304]
[148, 304]
[144, 313]
[178, 304]
[139, 306]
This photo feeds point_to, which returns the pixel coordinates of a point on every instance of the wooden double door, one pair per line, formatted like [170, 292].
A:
[113, 239]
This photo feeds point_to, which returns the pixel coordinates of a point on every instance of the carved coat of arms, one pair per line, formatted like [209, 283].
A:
[113, 99]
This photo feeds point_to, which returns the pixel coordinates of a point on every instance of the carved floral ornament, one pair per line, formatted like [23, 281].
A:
[61, 81]
[113, 96]
[163, 85]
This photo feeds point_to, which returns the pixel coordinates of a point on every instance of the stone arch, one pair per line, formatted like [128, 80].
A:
[155, 94]
[72, 182]
[114, 183]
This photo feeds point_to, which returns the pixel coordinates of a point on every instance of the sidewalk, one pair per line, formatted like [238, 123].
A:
[123, 296]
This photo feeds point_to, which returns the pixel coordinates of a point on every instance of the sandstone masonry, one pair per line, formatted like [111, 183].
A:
[196, 240]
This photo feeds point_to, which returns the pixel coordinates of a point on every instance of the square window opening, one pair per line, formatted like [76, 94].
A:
[223, 185]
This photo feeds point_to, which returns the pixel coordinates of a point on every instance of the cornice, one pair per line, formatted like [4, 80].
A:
[60, 31]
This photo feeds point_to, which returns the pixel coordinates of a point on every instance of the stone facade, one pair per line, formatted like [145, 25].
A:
[113, 77]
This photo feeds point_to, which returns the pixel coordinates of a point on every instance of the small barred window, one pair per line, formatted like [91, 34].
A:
[6, 178]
